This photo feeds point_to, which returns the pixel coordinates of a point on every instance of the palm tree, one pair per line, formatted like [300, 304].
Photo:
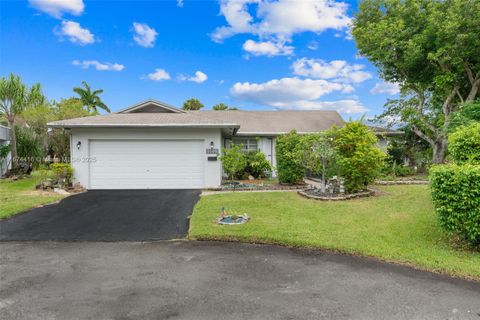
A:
[15, 97]
[91, 99]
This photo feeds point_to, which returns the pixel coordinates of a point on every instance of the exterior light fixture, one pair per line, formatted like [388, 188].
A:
[211, 144]
[79, 144]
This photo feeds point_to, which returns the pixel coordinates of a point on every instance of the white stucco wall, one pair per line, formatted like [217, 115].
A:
[5, 140]
[267, 146]
[80, 157]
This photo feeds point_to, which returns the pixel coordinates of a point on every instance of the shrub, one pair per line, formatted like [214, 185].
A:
[257, 164]
[233, 160]
[62, 172]
[289, 151]
[456, 195]
[397, 170]
[29, 147]
[359, 160]
[319, 155]
[464, 144]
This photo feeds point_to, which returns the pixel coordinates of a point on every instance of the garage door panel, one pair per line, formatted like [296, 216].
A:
[146, 164]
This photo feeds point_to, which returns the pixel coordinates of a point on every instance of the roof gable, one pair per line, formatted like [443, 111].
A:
[151, 106]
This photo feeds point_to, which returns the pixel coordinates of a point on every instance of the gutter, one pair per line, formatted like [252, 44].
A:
[116, 125]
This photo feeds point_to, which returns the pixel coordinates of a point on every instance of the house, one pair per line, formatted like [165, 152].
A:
[155, 145]
[5, 163]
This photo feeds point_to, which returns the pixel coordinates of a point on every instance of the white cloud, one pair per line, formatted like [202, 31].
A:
[267, 48]
[295, 93]
[198, 78]
[107, 66]
[144, 35]
[280, 19]
[75, 33]
[336, 70]
[56, 8]
[385, 87]
[159, 75]
[180, 3]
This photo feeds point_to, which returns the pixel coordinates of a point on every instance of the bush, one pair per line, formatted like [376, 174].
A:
[29, 147]
[257, 164]
[397, 170]
[464, 144]
[233, 160]
[289, 151]
[359, 160]
[456, 195]
[63, 173]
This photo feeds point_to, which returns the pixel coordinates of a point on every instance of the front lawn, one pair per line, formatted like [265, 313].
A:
[18, 196]
[398, 226]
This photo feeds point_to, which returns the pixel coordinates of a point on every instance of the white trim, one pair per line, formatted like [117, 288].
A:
[153, 125]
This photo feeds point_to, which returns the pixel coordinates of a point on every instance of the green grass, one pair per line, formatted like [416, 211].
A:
[18, 196]
[398, 226]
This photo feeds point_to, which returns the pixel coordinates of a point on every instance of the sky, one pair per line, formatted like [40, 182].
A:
[250, 54]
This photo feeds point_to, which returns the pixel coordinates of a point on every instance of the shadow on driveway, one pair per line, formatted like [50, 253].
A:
[107, 215]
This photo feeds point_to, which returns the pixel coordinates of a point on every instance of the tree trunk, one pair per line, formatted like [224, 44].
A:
[439, 149]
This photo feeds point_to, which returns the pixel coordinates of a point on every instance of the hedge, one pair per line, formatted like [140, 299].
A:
[464, 144]
[289, 149]
[456, 195]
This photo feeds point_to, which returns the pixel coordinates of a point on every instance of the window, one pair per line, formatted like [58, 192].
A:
[249, 144]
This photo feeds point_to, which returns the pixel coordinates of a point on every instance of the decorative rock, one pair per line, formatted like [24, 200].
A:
[251, 178]
[61, 191]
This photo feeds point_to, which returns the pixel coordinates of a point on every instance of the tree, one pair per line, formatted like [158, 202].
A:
[91, 99]
[233, 161]
[55, 141]
[15, 97]
[220, 107]
[467, 114]
[192, 104]
[431, 49]
[358, 159]
[319, 155]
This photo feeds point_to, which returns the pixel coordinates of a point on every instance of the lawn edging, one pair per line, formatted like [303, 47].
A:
[258, 241]
[400, 227]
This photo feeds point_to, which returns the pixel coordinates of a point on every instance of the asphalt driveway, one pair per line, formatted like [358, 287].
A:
[107, 215]
[202, 280]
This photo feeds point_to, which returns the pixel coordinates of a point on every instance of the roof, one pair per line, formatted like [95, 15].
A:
[159, 120]
[247, 122]
[149, 105]
[385, 131]
[278, 122]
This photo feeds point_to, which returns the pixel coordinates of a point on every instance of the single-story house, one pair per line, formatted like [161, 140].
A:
[153, 145]
[5, 163]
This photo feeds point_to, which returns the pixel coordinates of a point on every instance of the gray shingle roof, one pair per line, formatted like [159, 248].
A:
[277, 122]
[189, 119]
[250, 122]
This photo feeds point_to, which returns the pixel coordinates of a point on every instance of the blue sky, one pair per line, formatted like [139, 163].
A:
[252, 54]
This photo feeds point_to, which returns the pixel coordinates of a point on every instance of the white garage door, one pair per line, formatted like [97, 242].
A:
[146, 164]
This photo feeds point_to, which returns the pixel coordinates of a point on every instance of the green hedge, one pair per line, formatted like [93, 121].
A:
[464, 144]
[289, 149]
[456, 195]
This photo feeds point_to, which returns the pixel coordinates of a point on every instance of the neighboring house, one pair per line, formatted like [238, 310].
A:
[154, 145]
[4, 140]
